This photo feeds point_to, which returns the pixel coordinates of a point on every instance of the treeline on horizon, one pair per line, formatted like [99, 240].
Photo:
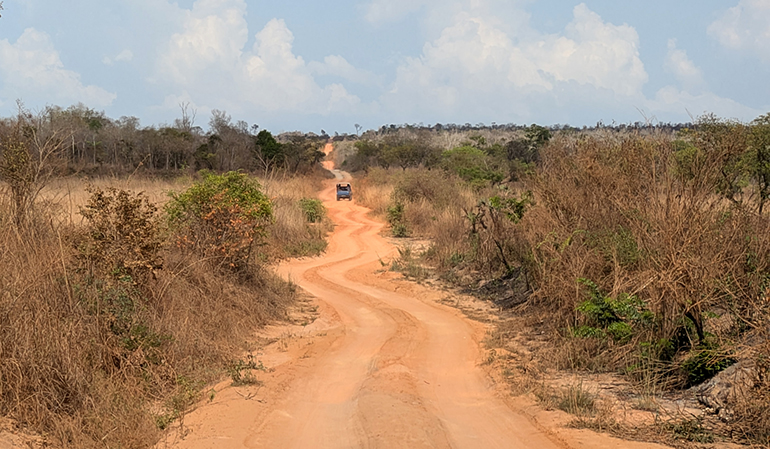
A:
[88, 142]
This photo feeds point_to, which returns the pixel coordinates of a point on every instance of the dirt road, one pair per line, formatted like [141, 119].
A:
[384, 365]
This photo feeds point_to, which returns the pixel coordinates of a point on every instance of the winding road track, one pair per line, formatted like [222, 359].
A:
[385, 365]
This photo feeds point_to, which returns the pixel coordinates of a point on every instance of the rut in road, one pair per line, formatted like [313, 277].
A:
[395, 369]
[404, 373]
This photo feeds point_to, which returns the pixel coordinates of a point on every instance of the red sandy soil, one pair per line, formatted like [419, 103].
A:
[383, 364]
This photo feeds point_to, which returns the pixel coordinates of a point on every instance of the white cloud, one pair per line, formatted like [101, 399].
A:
[31, 69]
[209, 60]
[745, 27]
[124, 56]
[672, 101]
[474, 64]
[336, 65]
[594, 53]
[685, 71]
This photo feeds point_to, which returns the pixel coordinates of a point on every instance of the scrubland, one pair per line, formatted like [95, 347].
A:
[134, 260]
[643, 253]
[111, 324]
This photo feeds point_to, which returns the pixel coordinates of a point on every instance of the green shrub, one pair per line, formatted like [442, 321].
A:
[614, 317]
[704, 362]
[397, 220]
[512, 207]
[313, 209]
[472, 165]
[221, 218]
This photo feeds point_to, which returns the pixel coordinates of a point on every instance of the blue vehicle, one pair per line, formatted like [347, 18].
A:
[344, 191]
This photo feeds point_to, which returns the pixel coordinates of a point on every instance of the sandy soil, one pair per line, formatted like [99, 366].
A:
[383, 364]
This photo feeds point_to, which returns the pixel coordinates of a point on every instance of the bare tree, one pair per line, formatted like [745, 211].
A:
[29, 156]
[187, 121]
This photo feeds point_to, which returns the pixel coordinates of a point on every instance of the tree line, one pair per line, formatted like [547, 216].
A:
[87, 141]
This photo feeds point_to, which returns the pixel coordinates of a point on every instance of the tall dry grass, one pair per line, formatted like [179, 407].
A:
[291, 234]
[648, 225]
[92, 357]
[617, 211]
[66, 195]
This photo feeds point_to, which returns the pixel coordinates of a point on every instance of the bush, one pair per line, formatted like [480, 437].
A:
[221, 218]
[122, 235]
[472, 165]
[313, 209]
[617, 317]
[397, 221]
[704, 362]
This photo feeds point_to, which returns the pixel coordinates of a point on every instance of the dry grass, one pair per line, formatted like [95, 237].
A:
[621, 211]
[374, 191]
[291, 234]
[65, 196]
[93, 359]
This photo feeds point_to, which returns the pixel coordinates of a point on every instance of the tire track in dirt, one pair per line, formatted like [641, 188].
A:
[391, 369]
[422, 386]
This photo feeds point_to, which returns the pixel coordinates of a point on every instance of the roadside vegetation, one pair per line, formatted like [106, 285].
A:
[122, 297]
[641, 251]
[134, 258]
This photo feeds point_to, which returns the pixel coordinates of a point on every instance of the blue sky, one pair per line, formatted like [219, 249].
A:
[310, 65]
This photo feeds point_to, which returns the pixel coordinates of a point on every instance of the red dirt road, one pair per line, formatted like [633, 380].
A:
[384, 366]
[403, 373]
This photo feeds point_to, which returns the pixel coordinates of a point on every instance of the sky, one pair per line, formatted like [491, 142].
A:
[311, 65]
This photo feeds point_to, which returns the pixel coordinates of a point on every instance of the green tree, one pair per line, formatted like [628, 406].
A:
[268, 152]
[471, 164]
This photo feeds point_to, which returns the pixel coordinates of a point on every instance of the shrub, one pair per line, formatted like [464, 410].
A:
[313, 209]
[221, 218]
[704, 362]
[122, 235]
[397, 221]
[615, 317]
[472, 165]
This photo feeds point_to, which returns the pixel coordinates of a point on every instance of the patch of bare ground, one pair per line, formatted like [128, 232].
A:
[279, 353]
[12, 436]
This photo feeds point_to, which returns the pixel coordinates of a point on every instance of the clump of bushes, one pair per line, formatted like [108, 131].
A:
[99, 320]
[221, 218]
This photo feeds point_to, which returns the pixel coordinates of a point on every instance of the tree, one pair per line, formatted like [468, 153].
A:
[759, 157]
[267, 151]
[187, 121]
[30, 154]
